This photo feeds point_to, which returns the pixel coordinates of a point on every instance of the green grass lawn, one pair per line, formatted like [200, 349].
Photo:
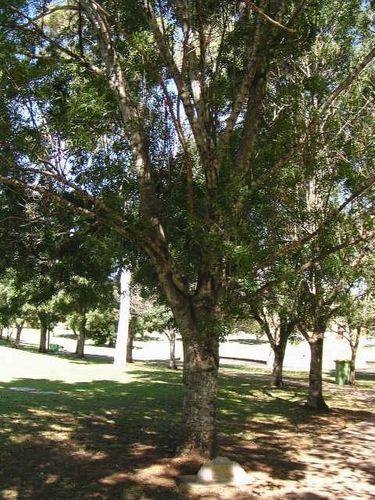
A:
[88, 427]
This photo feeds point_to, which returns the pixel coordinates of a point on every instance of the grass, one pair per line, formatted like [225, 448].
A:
[92, 430]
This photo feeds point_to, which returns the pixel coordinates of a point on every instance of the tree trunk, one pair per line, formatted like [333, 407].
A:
[81, 335]
[200, 393]
[315, 398]
[198, 320]
[1, 332]
[278, 362]
[184, 363]
[354, 348]
[19, 328]
[172, 350]
[120, 356]
[43, 336]
[48, 338]
[80, 349]
[129, 345]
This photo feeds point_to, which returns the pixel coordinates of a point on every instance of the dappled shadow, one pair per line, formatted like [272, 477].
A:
[85, 439]
[71, 356]
[111, 439]
[362, 374]
[365, 375]
[23, 346]
[87, 359]
[246, 360]
[72, 336]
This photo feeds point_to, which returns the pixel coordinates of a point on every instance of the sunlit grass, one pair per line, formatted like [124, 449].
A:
[86, 422]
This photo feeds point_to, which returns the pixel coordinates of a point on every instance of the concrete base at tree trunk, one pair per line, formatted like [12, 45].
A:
[219, 471]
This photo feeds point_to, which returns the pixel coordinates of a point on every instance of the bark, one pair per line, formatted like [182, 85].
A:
[197, 320]
[80, 349]
[48, 338]
[120, 356]
[129, 346]
[172, 350]
[43, 336]
[184, 362]
[315, 399]
[278, 362]
[19, 328]
[1, 332]
[354, 348]
[200, 393]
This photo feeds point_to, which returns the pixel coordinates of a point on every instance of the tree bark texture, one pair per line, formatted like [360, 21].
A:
[354, 341]
[80, 349]
[129, 345]
[200, 394]
[19, 328]
[43, 336]
[172, 350]
[278, 362]
[315, 399]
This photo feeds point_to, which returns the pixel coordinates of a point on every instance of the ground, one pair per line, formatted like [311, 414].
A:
[90, 431]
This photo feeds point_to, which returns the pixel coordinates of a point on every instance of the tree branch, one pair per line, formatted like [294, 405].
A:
[344, 85]
[267, 18]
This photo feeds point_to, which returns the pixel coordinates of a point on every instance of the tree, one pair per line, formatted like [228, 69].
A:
[278, 324]
[122, 354]
[327, 191]
[356, 314]
[171, 105]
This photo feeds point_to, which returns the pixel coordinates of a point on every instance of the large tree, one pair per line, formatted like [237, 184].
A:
[144, 117]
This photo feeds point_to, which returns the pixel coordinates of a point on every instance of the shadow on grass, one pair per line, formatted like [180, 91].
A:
[94, 439]
[364, 375]
[71, 336]
[249, 341]
[88, 358]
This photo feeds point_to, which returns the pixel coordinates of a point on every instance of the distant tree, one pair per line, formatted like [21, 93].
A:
[356, 315]
[148, 315]
[278, 324]
[83, 296]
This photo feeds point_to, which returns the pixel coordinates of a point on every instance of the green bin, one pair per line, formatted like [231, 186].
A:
[54, 347]
[342, 372]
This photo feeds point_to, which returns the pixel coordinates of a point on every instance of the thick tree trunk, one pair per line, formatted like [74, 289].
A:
[200, 393]
[197, 319]
[315, 398]
[184, 363]
[278, 362]
[120, 356]
[129, 345]
[43, 337]
[172, 350]
[19, 328]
